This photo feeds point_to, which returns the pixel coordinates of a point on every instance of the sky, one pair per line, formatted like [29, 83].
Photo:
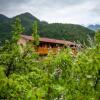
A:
[82, 12]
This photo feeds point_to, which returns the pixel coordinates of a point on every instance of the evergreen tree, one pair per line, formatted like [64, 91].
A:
[35, 34]
[17, 29]
[97, 37]
[11, 51]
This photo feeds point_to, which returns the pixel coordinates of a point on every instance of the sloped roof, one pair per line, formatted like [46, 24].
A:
[49, 40]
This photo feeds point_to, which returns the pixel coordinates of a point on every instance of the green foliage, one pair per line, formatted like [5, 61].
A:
[35, 34]
[70, 32]
[23, 76]
[10, 51]
[2, 74]
[97, 37]
[17, 30]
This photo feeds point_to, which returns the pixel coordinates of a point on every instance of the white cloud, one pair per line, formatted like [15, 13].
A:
[78, 14]
[66, 11]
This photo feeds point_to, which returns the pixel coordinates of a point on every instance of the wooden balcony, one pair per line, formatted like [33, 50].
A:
[42, 50]
[46, 50]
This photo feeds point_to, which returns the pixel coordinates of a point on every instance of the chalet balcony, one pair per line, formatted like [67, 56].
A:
[46, 50]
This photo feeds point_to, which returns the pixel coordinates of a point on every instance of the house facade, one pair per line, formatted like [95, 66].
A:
[47, 45]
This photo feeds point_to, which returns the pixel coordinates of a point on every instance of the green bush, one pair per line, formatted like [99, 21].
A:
[23, 76]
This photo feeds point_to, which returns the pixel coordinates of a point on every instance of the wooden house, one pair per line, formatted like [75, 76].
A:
[46, 44]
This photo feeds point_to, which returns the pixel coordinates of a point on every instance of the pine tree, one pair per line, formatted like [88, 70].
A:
[35, 34]
[17, 30]
[97, 37]
[11, 51]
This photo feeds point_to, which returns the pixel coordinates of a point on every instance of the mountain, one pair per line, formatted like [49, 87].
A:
[3, 19]
[94, 27]
[70, 32]
[27, 21]
[5, 28]
[5, 24]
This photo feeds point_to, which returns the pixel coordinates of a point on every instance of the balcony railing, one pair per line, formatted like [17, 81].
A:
[46, 50]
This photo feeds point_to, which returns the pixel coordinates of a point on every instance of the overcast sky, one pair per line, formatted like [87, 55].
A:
[62, 11]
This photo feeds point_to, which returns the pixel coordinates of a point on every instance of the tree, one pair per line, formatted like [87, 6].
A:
[17, 29]
[56, 77]
[11, 51]
[35, 34]
[97, 37]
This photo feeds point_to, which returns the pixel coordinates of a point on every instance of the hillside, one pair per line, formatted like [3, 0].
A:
[70, 32]
[3, 18]
[5, 28]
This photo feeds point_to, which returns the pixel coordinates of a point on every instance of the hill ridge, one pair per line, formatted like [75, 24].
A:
[70, 32]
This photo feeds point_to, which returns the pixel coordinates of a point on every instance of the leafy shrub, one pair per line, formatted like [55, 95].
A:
[55, 77]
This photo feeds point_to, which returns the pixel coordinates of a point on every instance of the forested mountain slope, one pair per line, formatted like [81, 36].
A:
[70, 32]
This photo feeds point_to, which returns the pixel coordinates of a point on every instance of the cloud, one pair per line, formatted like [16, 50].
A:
[66, 11]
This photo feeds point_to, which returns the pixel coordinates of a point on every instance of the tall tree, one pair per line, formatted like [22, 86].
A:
[35, 34]
[11, 51]
[17, 30]
[97, 37]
